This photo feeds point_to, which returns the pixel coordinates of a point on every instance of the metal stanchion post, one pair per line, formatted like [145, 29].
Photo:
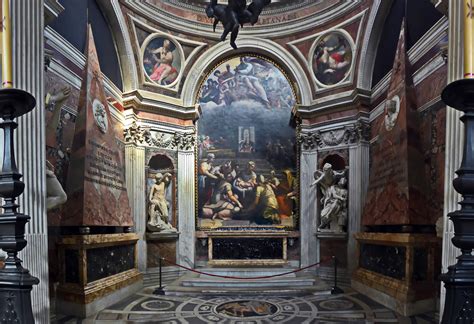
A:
[335, 290]
[160, 290]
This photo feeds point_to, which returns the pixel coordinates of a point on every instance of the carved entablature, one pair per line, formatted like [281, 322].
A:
[144, 136]
[350, 134]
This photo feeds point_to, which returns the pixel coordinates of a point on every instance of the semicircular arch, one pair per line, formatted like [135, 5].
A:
[265, 48]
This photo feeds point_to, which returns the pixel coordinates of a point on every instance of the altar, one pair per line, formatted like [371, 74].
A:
[246, 249]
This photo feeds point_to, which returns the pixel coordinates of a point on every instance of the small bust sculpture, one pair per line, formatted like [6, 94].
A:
[158, 216]
[392, 108]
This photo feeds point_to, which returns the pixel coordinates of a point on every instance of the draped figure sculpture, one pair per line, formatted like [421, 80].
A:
[334, 202]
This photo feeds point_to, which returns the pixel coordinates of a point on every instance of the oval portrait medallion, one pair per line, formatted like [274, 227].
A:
[332, 59]
[161, 61]
[100, 115]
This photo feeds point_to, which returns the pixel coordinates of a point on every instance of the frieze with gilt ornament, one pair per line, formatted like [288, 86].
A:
[143, 136]
[351, 134]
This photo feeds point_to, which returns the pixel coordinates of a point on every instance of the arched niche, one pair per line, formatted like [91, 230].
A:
[337, 161]
[159, 165]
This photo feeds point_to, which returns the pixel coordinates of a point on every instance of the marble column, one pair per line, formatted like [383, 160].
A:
[308, 209]
[186, 208]
[454, 138]
[135, 179]
[28, 74]
[358, 184]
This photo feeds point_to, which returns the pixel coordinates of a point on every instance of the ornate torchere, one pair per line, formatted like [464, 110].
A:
[15, 281]
[459, 280]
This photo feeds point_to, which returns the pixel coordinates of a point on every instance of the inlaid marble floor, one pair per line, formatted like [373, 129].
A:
[349, 307]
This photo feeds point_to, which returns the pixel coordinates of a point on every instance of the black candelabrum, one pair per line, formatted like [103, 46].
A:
[459, 280]
[15, 281]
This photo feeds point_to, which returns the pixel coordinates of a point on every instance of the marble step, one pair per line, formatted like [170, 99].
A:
[247, 272]
[234, 283]
[177, 290]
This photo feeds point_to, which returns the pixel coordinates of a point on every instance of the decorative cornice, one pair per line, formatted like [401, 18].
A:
[332, 103]
[182, 25]
[135, 134]
[52, 9]
[142, 100]
[349, 134]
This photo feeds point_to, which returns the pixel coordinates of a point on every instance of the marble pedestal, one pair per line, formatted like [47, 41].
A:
[96, 272]
[398, 270]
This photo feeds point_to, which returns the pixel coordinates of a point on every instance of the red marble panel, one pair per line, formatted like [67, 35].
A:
[155, 249]
[397, 187]
[96, 179]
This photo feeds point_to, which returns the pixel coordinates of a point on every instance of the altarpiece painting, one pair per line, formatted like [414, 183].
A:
[247, 174]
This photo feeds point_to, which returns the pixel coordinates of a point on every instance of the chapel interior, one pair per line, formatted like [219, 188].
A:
[232, 161]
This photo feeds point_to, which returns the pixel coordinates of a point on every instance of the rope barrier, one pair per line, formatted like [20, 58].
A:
[246, 278]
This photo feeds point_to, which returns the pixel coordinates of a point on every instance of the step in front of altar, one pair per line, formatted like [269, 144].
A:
[288, 284]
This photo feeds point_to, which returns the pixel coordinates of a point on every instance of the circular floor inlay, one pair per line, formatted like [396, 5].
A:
[157, 305]
[336, 304]
[247, 308]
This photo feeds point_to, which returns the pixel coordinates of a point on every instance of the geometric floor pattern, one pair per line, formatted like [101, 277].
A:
[349, 307]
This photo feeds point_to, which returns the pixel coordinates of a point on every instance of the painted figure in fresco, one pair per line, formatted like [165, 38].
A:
[246, 145]
[158, 210]
[332, 59]
[207, 177]
[286, 194]
[164, 72]
[246, 182]
[334, 212]
[265, 204]
[224, 203]
[55, 194]
[245, 74]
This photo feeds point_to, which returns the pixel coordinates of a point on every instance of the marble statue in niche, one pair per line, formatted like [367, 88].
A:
[392, 109]
[332, 183]
[158, 210]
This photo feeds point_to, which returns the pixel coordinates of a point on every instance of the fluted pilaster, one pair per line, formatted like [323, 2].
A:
[454, 137]
[186, 207]
[358, 184]
[135, 179]
[28, 74]
[308, 209]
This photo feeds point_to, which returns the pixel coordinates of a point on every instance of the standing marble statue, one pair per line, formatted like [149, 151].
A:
[158, 220]
[334, 201]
